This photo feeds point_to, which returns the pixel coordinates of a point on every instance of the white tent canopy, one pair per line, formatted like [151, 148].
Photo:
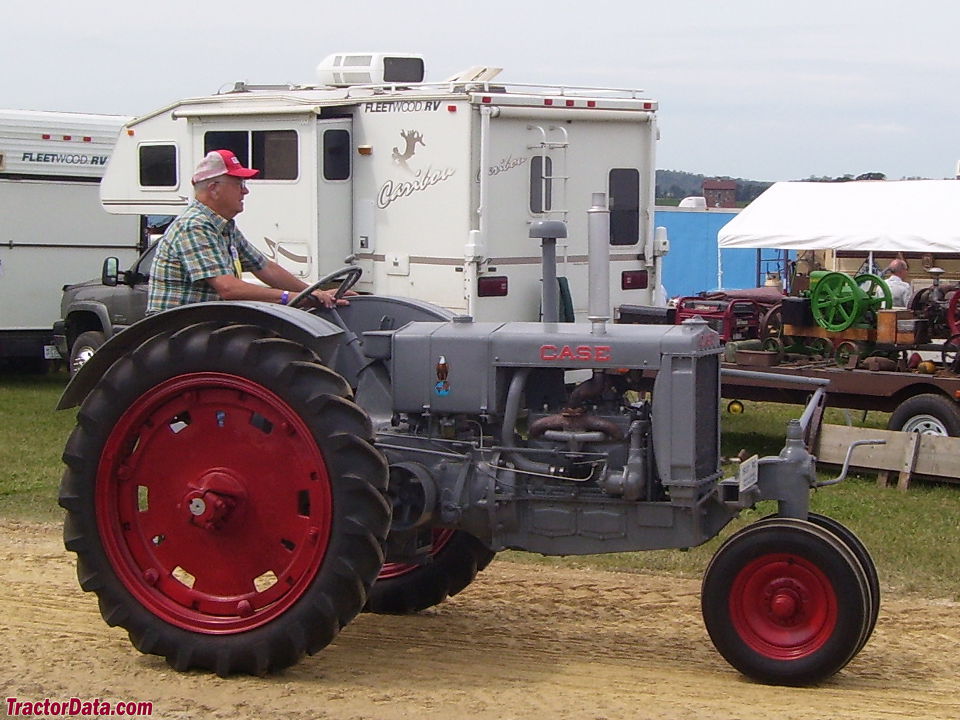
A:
[905, 216]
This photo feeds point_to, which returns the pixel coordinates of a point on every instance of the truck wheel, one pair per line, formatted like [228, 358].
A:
[455, 560]
[786, 602]
[224, 500]
[86, 344]
[927, 414]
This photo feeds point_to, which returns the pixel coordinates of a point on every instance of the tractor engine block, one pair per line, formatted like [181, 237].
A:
[545, 435]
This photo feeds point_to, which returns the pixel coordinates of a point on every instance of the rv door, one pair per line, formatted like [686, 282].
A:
[334, 220]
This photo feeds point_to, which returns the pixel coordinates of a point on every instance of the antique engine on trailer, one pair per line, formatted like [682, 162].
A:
[245, 478]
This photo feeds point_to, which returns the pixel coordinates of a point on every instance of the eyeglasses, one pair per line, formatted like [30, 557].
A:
[242, 184]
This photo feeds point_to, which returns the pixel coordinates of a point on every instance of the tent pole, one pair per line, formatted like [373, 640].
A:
[719, 268]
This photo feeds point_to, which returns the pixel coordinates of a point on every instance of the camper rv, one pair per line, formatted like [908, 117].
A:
[52, 227]
[432, 188]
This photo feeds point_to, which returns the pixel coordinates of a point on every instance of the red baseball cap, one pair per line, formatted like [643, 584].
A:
[221, 162]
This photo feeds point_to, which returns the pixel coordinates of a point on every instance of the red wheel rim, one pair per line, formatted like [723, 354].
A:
[213, 503]
[441, 536]
[783, 607]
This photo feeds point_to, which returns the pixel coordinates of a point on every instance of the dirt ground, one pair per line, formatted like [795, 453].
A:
[521, 642]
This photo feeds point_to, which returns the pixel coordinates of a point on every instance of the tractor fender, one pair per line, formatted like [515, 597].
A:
[314, 332]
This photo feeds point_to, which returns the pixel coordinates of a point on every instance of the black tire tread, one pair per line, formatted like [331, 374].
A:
[361, 512]
[450, 571]
[852, 628]
[940, 406]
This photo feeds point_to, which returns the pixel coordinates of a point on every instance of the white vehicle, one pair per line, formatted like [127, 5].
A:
[430, 187]
[52, 227]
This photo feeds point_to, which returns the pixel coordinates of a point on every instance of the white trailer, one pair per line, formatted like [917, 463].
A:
[53, 229]
[431, 187]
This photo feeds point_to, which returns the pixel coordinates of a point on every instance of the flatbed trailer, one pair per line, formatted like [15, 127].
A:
[917, 402]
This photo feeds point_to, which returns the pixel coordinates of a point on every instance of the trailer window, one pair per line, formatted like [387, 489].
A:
[541, 184]
[336, 155]
[624, 189]
[275, 153]
[158, 165]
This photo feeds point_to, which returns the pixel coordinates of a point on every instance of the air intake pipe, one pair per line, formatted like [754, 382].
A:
[548, 231]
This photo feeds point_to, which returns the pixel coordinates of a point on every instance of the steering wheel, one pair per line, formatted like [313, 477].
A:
[348, 276]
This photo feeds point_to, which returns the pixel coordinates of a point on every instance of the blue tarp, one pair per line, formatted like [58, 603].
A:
[691, 265]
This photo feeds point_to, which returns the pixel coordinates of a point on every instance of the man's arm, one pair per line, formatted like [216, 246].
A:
[230, 287]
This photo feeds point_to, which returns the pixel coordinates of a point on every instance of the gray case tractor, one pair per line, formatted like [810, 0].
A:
[245, 478]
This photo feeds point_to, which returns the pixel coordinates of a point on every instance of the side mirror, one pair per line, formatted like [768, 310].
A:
[110, 272]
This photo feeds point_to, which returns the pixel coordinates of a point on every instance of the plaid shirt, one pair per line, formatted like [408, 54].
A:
[198, 245]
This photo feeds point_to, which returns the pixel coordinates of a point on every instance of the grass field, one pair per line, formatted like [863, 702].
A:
[914, 537]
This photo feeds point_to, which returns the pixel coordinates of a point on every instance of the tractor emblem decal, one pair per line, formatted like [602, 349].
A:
[592, 353]
[443, 385]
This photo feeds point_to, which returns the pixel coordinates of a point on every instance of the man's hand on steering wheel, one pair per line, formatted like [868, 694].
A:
[326, 299]
[348, 277]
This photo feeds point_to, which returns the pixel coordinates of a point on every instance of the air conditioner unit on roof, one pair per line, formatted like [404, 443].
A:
[344, 69]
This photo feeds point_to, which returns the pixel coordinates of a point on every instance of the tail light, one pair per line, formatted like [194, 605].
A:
[633, 280]
[492, 286]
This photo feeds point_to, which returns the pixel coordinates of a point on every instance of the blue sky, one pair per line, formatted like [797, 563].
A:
[763, 90]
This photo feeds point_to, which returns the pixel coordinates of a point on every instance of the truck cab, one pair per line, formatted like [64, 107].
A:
[93, 311]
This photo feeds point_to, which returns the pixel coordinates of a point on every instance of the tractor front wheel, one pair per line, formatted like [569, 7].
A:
[224, 499]
[786, 602]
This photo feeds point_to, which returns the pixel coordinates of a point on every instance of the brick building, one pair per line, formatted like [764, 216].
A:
[720, 193]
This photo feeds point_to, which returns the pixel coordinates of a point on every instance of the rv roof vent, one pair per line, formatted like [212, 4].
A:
[477, 73]
[344, 69]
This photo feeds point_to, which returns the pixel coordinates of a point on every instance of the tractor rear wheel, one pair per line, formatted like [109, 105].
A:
[454, 561]
[786, 602]
[224, 499]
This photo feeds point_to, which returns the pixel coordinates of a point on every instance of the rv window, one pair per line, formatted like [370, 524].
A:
[336, 155]
[624, 206]
[236, 141]
[158, 165]
[541, 184]
[273, 152]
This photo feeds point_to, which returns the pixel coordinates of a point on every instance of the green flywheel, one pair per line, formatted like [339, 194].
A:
[839, 301]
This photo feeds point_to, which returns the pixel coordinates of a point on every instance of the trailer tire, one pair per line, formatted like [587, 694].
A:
[455, 560]
[86, 344]
[786, 602]
[928, 414]
[224, 499]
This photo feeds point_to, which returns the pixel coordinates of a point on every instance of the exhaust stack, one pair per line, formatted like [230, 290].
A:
[598, 256]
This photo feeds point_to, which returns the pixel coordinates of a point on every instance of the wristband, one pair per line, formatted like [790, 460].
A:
[284, 297]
